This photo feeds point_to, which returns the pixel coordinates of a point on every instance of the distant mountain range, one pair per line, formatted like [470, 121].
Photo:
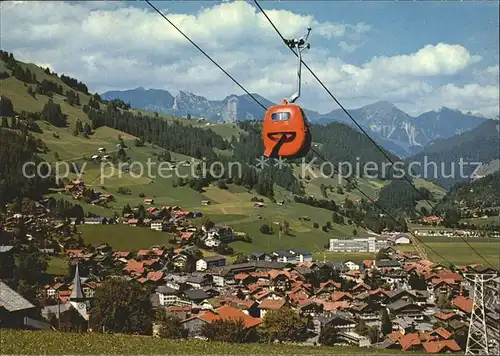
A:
[479, 145]
[391, 127]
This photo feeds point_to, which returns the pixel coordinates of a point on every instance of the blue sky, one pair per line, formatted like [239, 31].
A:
[400, 26]
[420, 55]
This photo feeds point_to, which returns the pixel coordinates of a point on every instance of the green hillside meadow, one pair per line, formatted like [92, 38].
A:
[230, 206]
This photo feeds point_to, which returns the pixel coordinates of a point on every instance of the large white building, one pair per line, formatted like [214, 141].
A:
[370, 244]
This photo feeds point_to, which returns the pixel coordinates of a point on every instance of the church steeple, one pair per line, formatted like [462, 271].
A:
[77, 292]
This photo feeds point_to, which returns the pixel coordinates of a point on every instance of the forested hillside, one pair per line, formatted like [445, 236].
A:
[483, 193]
[17, 148]
[479, 145]
[60, 117]
[341, 143]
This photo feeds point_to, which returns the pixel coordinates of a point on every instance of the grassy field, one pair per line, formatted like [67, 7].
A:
[123, 237]
[457, 251]
[53, 343]
[461, 254]
[341, 257]
[57, 266]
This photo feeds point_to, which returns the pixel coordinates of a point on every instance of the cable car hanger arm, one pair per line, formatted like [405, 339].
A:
[298, 45]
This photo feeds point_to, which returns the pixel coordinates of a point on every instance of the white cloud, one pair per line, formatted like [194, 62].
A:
[117, 46]
[441, 59]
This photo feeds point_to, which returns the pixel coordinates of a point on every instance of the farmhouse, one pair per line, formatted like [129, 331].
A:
[157, 225]
[16, 312]
[210, 262]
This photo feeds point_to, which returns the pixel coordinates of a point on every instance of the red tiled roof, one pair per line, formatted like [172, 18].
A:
[395, 336]
[150, 261]
[272, 304]
[361, 285]
[409, 340]
[74, 252]
[447, 274]
[442, 332]
[463, 303]
[336, 296]
[142, 280]
[134, 266]
[187, 235]
[142, 252]
[445, 316]
[227, 312]
[434, 347]
[437, 281]
[241, 276]
[368, 263]
[332, 306]
[378, 290]
[155, 276]
[329, 282]
[261, 294]
[273, 274]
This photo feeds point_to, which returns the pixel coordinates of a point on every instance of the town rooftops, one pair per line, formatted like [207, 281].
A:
[387, 263]
[227, 312]
[11, 300]
[196, 294]
[165, 290]
[253, 265]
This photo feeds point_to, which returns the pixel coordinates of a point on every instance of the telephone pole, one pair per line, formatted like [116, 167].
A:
[477, 339]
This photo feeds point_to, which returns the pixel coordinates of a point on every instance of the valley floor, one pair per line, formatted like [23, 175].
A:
[57, 343]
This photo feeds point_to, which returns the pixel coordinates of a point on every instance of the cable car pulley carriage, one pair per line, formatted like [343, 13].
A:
[286, 131]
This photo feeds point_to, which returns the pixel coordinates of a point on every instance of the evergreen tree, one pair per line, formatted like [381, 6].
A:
[6, 107]
[79, 126]
[386, 327]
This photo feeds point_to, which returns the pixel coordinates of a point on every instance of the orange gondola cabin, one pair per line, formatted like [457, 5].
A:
[286, 131]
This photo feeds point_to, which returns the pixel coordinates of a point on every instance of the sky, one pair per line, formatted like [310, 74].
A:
[419, 55]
